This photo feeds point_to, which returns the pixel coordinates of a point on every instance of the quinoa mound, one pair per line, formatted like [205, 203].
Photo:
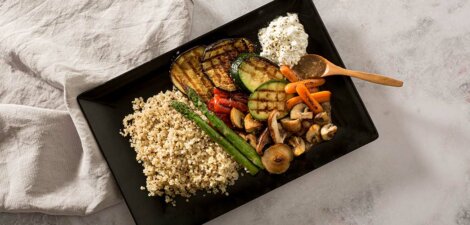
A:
[177, 156]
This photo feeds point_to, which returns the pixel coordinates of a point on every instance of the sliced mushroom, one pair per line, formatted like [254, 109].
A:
[306, 124]
[236, 117]
[263, 140]
[277, 132]
[327, 108]
[242, 135]
[313, 134]
[322, 118]
[328, 131]
[291, 125]
[300, 111]
[251, 124]
[298, 144]
[277, 158]
[251, 138]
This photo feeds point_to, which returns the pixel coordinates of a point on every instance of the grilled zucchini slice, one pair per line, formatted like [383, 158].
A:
[218, 58]
[268, 97]
[186, 71]
[249, 71]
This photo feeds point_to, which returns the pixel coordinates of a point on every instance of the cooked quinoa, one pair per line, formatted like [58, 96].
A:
[178, 157]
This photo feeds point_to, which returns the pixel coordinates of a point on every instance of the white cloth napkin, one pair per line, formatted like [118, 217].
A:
[51, 51]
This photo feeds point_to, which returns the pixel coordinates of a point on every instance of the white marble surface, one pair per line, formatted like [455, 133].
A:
[418, 171]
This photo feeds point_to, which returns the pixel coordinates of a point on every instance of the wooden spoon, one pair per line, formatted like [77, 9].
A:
[314, 66]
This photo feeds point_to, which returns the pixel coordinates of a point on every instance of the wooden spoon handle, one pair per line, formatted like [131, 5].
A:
[374, 78]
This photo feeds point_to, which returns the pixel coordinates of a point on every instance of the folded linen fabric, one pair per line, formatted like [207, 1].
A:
[51, 51]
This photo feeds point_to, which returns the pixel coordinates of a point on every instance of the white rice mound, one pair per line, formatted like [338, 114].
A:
[177, 156]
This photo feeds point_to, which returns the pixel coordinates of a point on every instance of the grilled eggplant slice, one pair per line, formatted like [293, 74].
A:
[186, 71]
[268, 97]
[249, 71]
[218, 58]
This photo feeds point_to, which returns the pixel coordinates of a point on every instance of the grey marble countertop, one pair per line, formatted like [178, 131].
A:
[418, 171]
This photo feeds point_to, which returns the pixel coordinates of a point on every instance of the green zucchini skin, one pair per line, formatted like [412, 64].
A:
[234, 70]
[249, 71]
[268, 97]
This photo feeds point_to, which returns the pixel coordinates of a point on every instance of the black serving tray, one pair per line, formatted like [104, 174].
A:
[105, 106]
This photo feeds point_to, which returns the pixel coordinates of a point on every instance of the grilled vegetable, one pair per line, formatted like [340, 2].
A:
[278, 134]
[249, 71]
[311, 84]
[251, 125]
[218, 58]
[268, 97]
[310, 101]
[300, 111]
[298, 145]
[220, 108]
[236, 116]
[321, 97]
[245, 148]
[328, 131]
[277, 158]
[231, 103]
[322, 118]
[224, 143]
[289, 73]
[251, 138]
[291, 125]
[221, 93]
[186, 71]
[313, 134]
[263, 140]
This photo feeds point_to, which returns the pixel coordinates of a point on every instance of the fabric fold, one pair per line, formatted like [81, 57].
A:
[49, 160]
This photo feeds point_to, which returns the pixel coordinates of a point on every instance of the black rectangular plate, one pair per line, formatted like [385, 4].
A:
[105, 106]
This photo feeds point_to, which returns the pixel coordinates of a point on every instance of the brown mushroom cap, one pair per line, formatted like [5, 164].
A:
[291, 125]
[328, 131]
[236, 117]
[251, 138]
[322, 118]
[277, 158]
[298, 144]
[300, 111]
[251, 124]
[313, 134]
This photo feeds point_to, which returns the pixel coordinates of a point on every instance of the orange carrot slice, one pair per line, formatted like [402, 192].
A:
[320, 97]
[312, 89]
[309, 83]
[289, 73]
[304, 94]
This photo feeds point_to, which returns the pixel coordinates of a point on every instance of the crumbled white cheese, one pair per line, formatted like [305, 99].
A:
[284, 41]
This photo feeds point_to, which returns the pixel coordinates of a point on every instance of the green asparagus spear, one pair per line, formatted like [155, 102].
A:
[214, 135]
[245, 148]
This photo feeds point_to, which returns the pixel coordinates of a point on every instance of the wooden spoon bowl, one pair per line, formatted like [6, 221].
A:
[315, 66]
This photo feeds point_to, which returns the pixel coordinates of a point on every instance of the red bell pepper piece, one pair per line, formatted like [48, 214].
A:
[210, 105]
[231, 103]
[240, 106]
[225, 117]
[221, 109]
[218, 107]
[223, 101]
[240, 97]
[221, 93]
